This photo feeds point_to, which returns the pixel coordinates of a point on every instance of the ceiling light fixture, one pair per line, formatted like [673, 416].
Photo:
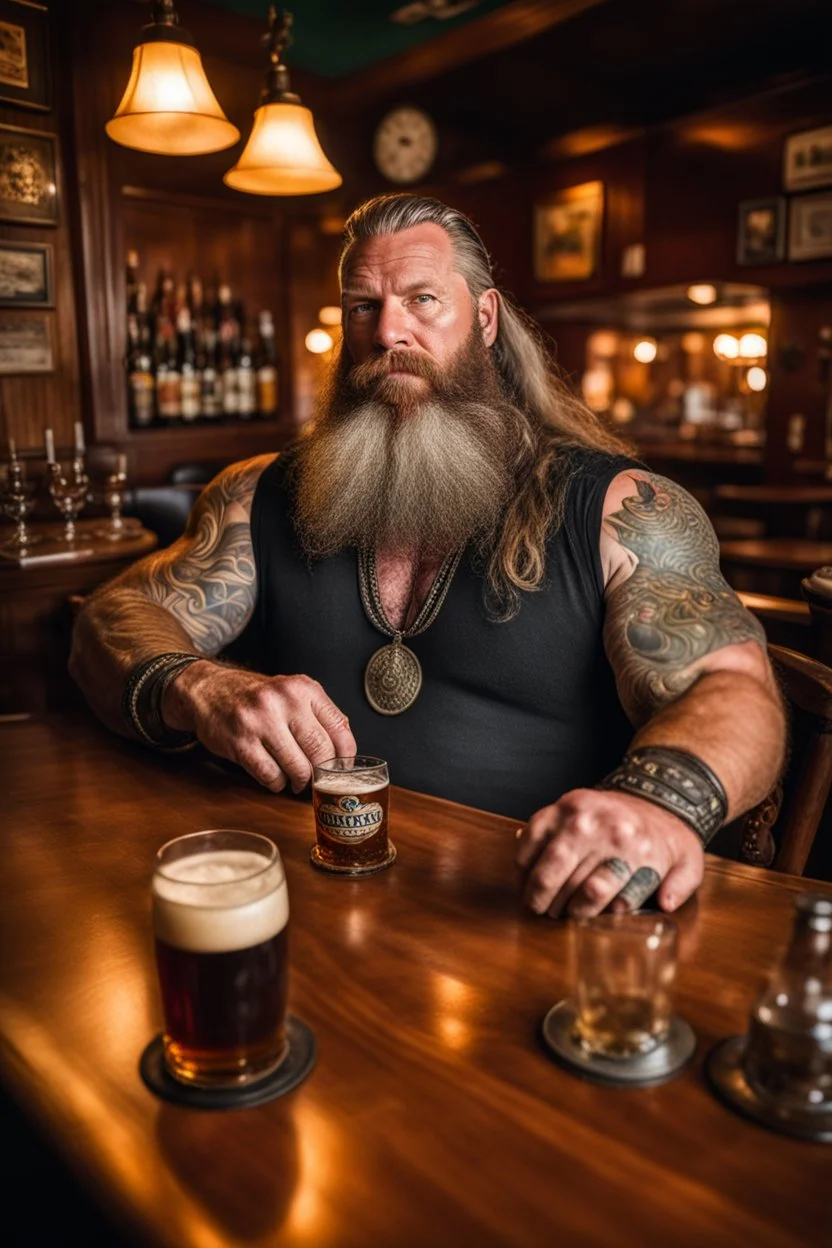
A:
[282, 155]
[168, 107]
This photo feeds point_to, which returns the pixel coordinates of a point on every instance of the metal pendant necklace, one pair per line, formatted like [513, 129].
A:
[393, 676]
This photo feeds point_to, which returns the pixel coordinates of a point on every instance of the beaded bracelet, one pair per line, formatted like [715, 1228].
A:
[142, 702]
[676, 780]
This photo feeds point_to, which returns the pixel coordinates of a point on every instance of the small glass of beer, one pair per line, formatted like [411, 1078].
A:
[220, 916]
[350, 798]
[624, 967]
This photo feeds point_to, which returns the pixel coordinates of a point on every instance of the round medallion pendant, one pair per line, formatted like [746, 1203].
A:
[393, 679]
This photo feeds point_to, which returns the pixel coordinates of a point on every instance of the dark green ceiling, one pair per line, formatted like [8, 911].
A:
[334, 37]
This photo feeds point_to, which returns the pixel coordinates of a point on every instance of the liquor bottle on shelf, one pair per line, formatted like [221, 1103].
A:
[246, 383]
[266, 369]
[140, 381]
[190, 380]
[132, 280]
[228, 378]
[210, 393]
[169, 385]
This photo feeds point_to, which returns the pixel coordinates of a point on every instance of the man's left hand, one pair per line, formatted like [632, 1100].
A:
[593, 849]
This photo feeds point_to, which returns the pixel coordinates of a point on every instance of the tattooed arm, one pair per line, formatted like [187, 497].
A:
[197, 597]
[692, 673]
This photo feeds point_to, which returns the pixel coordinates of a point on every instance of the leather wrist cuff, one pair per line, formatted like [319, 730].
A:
[677, 781]
[142, 702]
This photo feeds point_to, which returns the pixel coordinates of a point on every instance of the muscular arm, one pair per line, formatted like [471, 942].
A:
[690, 662]
[196, 596]
[692, 673]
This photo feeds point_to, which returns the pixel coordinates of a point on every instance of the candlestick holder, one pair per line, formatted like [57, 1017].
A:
[113, 497]
[69, 494]
[17, 499]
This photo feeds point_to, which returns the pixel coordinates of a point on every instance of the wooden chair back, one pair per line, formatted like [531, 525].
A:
[795, 808]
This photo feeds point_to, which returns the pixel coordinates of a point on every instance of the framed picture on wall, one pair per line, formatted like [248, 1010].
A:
[810, 227]
[28, 176]
[761, 231]
[26, 343]
[24, 54]
[567, 234]
[25, 275]
[808, 159]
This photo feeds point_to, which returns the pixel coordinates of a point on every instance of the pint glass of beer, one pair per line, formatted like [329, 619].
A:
[350, 798]
[220, 915]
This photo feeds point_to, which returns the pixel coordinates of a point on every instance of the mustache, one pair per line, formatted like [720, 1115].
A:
[365, 376]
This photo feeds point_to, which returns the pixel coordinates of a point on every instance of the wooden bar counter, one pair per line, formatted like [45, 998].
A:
[433, 1115]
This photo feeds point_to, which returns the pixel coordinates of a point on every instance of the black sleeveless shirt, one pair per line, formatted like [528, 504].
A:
[510, 715]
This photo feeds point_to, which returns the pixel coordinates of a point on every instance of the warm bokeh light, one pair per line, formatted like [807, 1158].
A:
[168, 107]
[753, 346]
[702, 293]
[330, 315]
[603, 342]
[726, 347]
[645, 351]
[756, 379]
[693, 342]
[318, 341]
[283, 155]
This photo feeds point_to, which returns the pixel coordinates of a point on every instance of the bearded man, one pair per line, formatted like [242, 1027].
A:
[458, 569]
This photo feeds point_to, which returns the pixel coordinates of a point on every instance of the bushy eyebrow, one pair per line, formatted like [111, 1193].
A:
[363, 293]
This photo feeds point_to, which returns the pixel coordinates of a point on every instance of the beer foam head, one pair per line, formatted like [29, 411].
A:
[219, 901]
[349, 782]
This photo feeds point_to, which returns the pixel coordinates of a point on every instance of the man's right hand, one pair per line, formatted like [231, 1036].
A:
[275, 727]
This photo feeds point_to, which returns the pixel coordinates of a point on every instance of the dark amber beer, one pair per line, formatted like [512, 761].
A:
[351, 802]
[220, 917]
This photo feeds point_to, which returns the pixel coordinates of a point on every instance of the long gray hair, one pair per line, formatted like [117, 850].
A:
[554, 417]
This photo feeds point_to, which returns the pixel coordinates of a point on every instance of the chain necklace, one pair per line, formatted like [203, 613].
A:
[393, 676]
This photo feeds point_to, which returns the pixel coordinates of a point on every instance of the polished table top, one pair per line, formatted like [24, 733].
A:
[433, 1115]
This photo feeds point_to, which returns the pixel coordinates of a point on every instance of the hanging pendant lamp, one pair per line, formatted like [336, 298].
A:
[283, 155]
[168, 106]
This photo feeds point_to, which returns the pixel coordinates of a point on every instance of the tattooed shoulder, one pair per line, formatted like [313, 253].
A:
[668, 606]
[207, 579]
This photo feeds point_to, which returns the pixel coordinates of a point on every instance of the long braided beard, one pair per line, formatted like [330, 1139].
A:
[391, 465]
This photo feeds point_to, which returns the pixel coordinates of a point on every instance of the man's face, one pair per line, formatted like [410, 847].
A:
[401, 293]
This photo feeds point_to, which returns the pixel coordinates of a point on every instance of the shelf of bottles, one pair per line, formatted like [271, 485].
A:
[191, 356]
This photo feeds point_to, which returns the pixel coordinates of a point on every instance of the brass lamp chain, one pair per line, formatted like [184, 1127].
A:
[276, 40]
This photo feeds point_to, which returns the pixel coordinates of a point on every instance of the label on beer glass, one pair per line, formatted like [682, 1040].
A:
[350, 820]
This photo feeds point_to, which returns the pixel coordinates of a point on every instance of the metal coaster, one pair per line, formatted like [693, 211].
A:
[646, 1069]
[292, 1070]
[317, 861]
[724, 1069]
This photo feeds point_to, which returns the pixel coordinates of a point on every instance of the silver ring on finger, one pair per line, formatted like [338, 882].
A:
[619, 868]
[641, 885]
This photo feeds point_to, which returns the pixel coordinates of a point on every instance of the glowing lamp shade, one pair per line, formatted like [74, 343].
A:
[283, 155]
[168, 106]
[318, 341]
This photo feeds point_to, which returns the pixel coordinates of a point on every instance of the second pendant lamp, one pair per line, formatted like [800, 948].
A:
[282, 155]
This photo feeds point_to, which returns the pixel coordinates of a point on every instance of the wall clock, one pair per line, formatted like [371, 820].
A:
[405, 145]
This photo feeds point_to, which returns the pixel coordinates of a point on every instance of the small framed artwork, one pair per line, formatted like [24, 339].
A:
[807, 159]
[25, 275]
[761, 231]
[567, 234]
[810, 227]
[26, 343]
[24, 54]
[28, 176]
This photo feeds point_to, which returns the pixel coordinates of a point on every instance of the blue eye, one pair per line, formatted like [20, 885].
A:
[361, 307]
[419, 297]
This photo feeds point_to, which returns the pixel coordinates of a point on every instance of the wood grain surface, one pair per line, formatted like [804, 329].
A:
[433, 1116]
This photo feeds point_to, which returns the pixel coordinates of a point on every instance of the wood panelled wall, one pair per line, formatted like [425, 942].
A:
[30, 402]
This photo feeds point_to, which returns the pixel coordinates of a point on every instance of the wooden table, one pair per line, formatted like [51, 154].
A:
[772, 565]
[433, 1116]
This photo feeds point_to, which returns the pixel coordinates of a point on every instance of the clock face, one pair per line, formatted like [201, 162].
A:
[405, 145]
